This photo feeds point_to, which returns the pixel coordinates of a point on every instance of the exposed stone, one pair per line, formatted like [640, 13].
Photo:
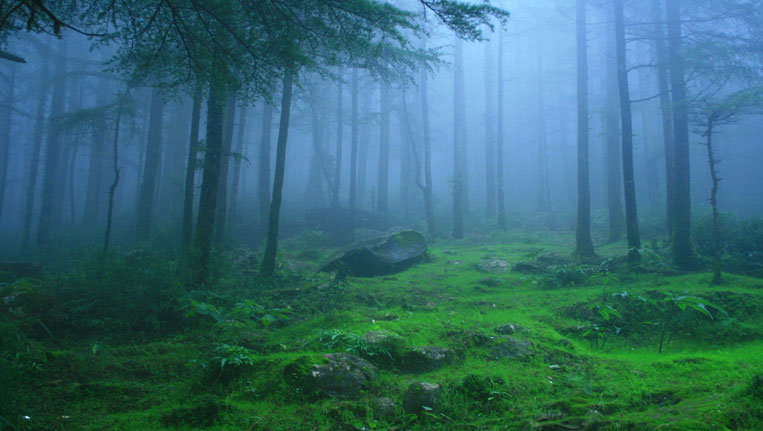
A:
[513, 348]
[420, 395]
[341, 375]
[493, 265]
[509, 329]
[384, 255]
[384, 408]
[423, 359]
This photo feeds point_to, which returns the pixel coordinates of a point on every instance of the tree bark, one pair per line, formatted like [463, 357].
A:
[190, 169]
[51, 176]
[499, 138]
[114, 183]
[5, 139]
[382, 195]
[338, 152]
[271, 247]
[583, 243]
[428, 204]
[613, 157]
[222, 192]
[263, 177]
[681, 240]
[96, 168]
[236, 180]
[213, 154]
[667, 114]
[34, 162]
[712, 161]
[459, 120]
[631, 217]
[152, 161]
[490, 163]
[544, 191]
[354, 141]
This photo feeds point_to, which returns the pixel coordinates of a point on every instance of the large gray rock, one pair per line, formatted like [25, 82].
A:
[341, 375]
[420, 395]
[387, 254]
[513, 348]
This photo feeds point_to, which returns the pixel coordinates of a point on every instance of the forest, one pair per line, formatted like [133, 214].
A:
[346, 215]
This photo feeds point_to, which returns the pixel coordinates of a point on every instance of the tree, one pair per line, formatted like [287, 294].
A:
[613, 158]
[263, 178]
[629, 182]
[583, 243]
[148, 184]
[426, 188]
[271, 246]
[382, 192]
[5, 136]
[353, 140]
[51, 175]
[681, 240]
[499, 137]
[459, 146]
[222, 192]
[490, 163]
[190, 170]
[338, 152]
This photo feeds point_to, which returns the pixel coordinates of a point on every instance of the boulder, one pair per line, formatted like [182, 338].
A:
[339, 224]
[385, 255]
[341, 375]
[384, 408]
[508, 329]
[420, 395]
[493, 265]
[424, 359]
[513, 348]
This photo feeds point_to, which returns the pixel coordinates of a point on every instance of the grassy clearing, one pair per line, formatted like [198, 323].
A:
[229, 373]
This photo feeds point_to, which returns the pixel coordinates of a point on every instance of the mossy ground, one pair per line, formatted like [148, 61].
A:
[705, 379]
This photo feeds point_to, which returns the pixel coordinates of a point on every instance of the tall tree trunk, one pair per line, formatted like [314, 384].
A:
[96, 168]
[428, 204]
[490, 163]
[583, 243]
[363, 148]
[544, 191]
[314, 190]
[51, 176]
[271, 247]
[631, 216]
[236, 180]
[222, 192]
[190, 170]
[667, 114]
[148, 184]
[614, 172]
[34, 162]
[5, 138]
[354, 142]
[406, 168]
[459, 120]
[382, 196]
[115, 182]
[712, 161]
[682, 252]
[213, 153]
[263, 176]
[70, 182]
[338, 152]
[499, 138]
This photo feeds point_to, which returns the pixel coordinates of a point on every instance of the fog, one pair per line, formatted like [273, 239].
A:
[68, 92]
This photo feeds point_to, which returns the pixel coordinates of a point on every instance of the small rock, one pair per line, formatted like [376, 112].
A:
[455, 262]
[489, 282]
[493, 265]
[420, 395]
[509, 329]
[423, 359]
[343, 375]
[384, 408]
[513, 348]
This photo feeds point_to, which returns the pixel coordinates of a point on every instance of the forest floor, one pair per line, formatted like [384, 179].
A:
[556, 346]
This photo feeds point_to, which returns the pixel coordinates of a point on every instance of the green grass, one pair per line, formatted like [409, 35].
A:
[702, 381]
